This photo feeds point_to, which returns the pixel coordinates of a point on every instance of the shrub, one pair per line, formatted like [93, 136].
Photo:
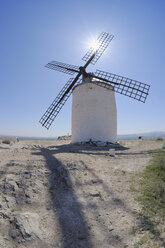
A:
[6, 142]
[159, 139]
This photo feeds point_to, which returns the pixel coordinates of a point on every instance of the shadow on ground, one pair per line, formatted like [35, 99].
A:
[64, 202]
[86, 149]
[67, 208]
[74, 227]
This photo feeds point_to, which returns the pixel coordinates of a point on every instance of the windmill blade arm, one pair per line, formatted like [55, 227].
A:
[125, 86]
[53, 110]
[66, 68]
[103, 79]
[102, 43]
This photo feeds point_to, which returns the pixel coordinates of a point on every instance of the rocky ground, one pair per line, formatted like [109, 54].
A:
[55, 194]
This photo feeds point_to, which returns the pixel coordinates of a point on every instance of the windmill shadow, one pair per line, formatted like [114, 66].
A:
[89, 149]
[69, 211]
[65, 204]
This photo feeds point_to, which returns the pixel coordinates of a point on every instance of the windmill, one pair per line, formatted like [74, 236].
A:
[102, 79]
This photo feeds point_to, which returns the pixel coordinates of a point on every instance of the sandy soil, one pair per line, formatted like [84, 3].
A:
[55, 194]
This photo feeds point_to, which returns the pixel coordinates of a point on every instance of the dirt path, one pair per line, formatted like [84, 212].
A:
[54, 194]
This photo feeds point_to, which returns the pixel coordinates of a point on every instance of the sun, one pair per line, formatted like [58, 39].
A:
[94, 44]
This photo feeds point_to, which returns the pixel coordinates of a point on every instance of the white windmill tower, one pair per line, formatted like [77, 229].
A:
[93, 107]
[93, 113]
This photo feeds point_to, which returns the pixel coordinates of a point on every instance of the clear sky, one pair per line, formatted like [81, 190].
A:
[32, 33]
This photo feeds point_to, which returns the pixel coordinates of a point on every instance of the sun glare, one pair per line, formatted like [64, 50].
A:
[94, 44]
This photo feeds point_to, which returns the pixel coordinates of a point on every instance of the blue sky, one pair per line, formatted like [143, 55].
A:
[35, 32]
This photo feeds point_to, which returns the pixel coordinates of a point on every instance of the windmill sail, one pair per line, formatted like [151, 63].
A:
[66, 68]
[91, 57]
[125, 86]
[53, 110]
[103, 41]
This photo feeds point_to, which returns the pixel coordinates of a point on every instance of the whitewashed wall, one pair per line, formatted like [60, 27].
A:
[93, 114]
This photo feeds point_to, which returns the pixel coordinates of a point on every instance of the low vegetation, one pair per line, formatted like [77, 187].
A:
[159, 139]
[6, 142]
[153, 186]
[150, 191]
